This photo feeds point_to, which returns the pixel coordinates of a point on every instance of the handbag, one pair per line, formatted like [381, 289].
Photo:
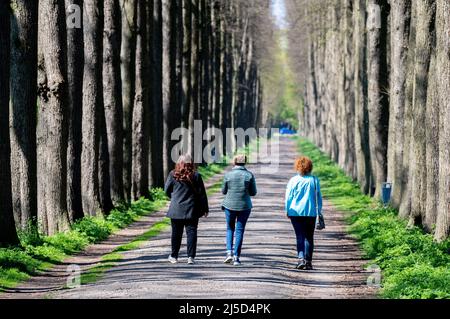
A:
[320, 221]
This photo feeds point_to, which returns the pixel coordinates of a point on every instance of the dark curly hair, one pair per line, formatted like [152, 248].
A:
[303, 165]
[184, 169]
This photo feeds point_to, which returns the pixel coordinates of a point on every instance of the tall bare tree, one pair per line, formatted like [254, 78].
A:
[169, 78]
[75, 62]
[24, 26]
[400, 29]
[377, 84]
[128, 57]
[156, 107]
[8, 235]
[425, 11]
[112, 92]
[443, 87]
[92, 105]
[52, 128]
[141, 129]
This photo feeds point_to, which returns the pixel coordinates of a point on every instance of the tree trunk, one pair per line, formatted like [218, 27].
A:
[104, 179]
[128, 57]
[378, 104]
[156, 71]
[141, 127]
[431, 151]
[186, 72]
[75, 61]
[177, 114]
[216, 22]
[112, 92]
[8, 235]
[169, 77]
[24, 26]
[443, 87]
[424, 34]
[363, 166]
[92, 103]
[205, 65]
[195, 76]
[52, 129]
[400, 30]
[405, 203]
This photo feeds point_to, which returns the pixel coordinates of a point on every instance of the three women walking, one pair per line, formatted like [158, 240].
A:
[185, 188]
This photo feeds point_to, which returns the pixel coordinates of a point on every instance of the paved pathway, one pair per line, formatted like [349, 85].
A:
[268, 256]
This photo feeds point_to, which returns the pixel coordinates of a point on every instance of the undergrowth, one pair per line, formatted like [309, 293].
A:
[38, 252]
[413, 265]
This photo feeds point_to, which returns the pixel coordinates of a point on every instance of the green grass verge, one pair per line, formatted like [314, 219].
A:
[110, 260]
[38, 253]
[413, 265]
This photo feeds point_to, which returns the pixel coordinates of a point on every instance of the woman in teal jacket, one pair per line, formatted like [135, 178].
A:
[238, 186]
[303, 203]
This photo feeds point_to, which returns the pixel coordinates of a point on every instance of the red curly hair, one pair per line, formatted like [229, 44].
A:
[184, 169]
[303, 165]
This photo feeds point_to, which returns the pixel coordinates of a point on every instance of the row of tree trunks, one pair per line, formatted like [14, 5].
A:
[115, 79]
[389, 62]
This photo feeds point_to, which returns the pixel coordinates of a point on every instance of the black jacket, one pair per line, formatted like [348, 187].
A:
[188, 200]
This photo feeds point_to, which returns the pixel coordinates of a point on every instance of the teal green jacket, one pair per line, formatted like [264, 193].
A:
[238, 186]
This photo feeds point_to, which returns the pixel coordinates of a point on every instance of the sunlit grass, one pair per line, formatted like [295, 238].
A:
[413, 265]
[38, 253]
[112, 259]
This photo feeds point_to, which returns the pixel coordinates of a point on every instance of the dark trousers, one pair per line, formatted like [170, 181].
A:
[178, 226]
[304, 231]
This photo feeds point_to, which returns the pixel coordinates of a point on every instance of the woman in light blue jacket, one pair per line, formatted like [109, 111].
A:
[303, 203]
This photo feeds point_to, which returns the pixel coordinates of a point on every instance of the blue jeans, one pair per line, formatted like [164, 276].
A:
[304, 231]
[237, 229]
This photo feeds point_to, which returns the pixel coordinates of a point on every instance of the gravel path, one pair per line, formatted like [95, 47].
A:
[268, 257]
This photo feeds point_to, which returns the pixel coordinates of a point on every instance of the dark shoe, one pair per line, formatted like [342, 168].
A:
[309, 266]
[301, 264]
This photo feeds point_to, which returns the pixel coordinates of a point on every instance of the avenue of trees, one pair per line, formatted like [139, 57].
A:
[91, 90]
[376, 76]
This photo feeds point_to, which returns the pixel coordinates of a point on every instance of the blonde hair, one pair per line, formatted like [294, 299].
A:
[240, 159]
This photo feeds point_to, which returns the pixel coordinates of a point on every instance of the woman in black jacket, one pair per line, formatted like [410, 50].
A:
[189, 202]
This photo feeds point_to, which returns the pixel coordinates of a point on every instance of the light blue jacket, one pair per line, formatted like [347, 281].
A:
[301, 197]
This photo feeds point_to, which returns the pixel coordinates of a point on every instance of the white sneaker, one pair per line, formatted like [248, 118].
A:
[173, 260]
[237, 261]
[229, 259]
[191, 261]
